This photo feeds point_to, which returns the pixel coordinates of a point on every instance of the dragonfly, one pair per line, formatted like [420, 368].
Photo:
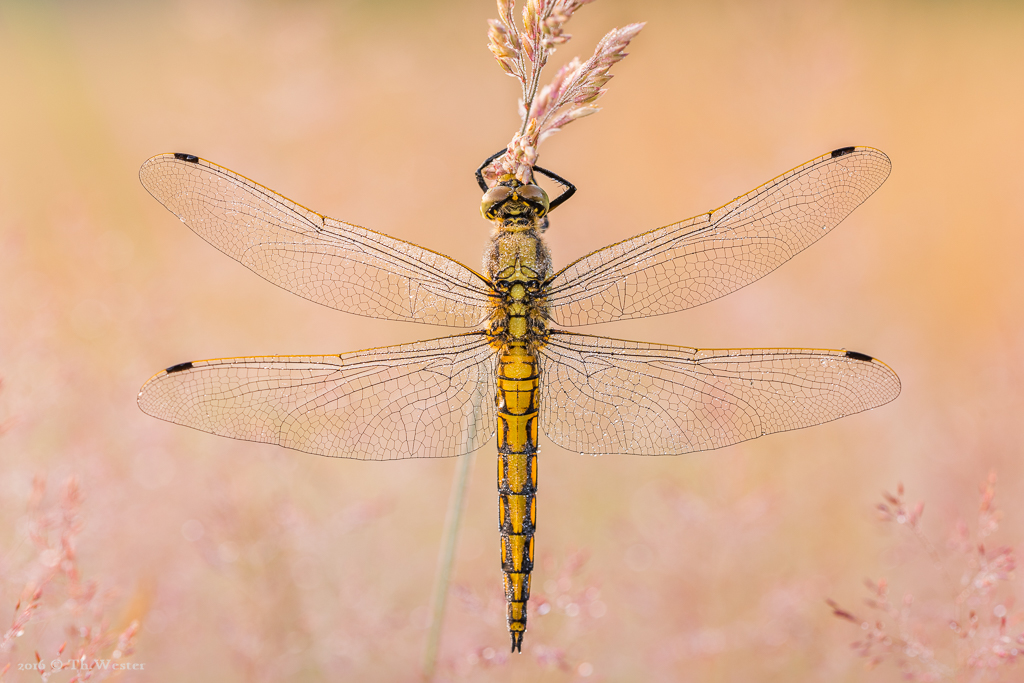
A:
[516, 371]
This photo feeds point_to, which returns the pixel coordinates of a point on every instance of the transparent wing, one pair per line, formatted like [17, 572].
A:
[601, 395]
[698, 260]
[431, 399]
[321, 259]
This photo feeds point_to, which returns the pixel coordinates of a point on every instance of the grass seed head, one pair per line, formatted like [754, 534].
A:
[522, 52]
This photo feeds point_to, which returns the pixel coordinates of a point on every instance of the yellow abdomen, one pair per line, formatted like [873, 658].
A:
[518, 263]
[518, 384]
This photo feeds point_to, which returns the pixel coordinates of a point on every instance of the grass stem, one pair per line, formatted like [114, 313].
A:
[444, 563]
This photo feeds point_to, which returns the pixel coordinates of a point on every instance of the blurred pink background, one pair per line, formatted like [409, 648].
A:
[250, 562]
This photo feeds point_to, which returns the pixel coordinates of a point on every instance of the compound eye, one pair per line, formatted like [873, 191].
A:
[492, 198]
[535, 195]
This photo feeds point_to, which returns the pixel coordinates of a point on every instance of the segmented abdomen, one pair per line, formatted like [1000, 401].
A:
[518, 386]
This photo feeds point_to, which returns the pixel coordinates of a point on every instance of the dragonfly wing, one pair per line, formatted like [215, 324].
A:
[430, 399]
[321, 259]
[698, 260]
[601, 395]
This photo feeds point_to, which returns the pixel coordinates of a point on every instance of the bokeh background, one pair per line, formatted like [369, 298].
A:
[248, 562]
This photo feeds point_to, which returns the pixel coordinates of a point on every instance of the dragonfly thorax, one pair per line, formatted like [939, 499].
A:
[519, 264]
[520, 319]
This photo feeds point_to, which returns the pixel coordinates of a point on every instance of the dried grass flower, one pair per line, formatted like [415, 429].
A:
[523, 51]
[974, 632]
[92, 647]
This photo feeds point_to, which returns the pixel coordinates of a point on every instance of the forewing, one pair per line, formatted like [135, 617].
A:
[601, 395]
[321, 259]
[708, 256]
[431, 399]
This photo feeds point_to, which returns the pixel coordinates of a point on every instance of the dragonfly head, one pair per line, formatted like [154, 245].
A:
[511, 199]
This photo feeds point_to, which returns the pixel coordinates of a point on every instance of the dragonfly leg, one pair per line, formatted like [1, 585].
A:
[570, 189]
[480, 170]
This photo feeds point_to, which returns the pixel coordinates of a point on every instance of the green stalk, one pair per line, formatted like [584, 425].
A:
[446, 558]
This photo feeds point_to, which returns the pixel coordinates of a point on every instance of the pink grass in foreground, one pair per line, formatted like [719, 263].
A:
[55, 593]
[966, 630]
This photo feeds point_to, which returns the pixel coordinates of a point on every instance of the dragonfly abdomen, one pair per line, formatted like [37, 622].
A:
[518, 382]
